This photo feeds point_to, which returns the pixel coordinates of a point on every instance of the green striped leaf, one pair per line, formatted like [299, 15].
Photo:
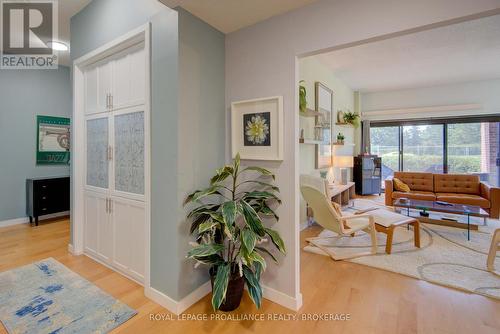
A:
[260, 170]
[220, 285]
[252, 219]
[276, 239]
[205, 250]
[229, 212]
[253, 284]
[248, 239]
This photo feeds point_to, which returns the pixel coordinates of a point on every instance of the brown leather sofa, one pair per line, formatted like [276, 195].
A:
[452, 188]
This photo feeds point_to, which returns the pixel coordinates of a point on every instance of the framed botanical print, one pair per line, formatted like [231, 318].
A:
[257, 128]
[53, 140]
[324, 105]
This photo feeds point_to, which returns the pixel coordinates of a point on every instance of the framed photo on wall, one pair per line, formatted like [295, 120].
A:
[52, 140]
[324, 105]
[257, 128]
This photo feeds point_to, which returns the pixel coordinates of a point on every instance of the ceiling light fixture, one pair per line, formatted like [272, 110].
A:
[57, 46]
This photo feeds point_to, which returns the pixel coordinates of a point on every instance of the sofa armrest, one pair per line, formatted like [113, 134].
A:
[492, 194]
[389, 187]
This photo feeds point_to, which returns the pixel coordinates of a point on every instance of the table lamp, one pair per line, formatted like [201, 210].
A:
[343, 162]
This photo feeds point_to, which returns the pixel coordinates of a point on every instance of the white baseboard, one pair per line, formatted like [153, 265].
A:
[25, 220]
[178, 307]
[16, 221]
[162, 299]
[194, 297]
[282, 299]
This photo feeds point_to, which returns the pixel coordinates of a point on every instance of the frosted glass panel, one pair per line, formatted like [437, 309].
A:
[97, 149]
[129, 153]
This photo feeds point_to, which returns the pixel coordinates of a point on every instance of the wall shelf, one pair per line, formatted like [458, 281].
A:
[310, 141]
[309, 113]
[343, 124]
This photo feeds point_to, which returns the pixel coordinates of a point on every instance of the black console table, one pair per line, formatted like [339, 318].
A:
[46, 195]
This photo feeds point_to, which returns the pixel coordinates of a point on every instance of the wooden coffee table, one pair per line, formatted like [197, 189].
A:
[457, 209]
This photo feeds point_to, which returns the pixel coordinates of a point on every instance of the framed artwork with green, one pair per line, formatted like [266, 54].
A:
[52, 140]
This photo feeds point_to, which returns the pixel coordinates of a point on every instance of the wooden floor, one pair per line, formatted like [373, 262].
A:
[377, 301]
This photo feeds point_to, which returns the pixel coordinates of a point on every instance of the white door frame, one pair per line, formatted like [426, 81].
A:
[140, 34]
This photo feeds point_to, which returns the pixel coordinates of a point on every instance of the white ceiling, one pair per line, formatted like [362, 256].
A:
[231, 15]
[66, 9]
[462, 52]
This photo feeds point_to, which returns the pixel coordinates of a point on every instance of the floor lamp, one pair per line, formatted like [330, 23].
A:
[343, 162]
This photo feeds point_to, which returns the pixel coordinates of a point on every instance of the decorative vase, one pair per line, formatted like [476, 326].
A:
[340, 116]
[234, 292]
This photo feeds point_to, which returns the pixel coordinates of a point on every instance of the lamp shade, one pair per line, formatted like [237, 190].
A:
[343, 161]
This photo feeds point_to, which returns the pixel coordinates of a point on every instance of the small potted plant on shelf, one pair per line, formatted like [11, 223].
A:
[302, 96]
[227, 220]
[340, 138]
[352, 118]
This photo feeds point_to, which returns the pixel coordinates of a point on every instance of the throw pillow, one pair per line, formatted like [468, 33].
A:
[401, 186]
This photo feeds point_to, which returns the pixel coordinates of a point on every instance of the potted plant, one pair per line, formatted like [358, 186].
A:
[340, 138]
[227, 220]
[302, 97]
[352, 118]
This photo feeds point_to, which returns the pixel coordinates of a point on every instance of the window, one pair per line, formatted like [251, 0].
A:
[447, 146]
[423, 148]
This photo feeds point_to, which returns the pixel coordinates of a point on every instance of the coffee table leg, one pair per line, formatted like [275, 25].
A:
[468, 227]
[388, 244]
[416, 233]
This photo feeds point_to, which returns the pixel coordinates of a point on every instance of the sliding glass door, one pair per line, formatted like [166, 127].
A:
[447, 146]
[385, 143]
[423, 148]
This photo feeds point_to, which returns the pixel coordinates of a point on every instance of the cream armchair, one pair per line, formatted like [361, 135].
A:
[326, 216]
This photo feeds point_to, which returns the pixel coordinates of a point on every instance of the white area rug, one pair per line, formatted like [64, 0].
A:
[445, 256]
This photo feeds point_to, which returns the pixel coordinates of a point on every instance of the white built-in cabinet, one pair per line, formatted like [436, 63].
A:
[115, 161]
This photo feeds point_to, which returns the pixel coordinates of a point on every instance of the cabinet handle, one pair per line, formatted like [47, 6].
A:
[110, 206]
[110, 101]
[110, 153]
[107, 206]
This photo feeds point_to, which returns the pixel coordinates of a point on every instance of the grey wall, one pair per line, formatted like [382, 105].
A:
[201, 124]
[187, 119]
[24, 94]
[261, 61]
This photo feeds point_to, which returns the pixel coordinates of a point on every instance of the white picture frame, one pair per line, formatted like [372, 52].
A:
[257, 128]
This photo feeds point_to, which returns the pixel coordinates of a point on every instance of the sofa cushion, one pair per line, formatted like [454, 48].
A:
[456, 183]
[421, 195]
[417, 181]
[469, 199]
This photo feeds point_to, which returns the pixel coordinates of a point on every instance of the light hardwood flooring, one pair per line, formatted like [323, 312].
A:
[377, 301]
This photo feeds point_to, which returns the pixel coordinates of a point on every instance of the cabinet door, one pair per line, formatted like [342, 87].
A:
[97, 226]
[91, 91]
[129, 78]
[104, 77]
[129, 236]
[97, 145]
[129, 154]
